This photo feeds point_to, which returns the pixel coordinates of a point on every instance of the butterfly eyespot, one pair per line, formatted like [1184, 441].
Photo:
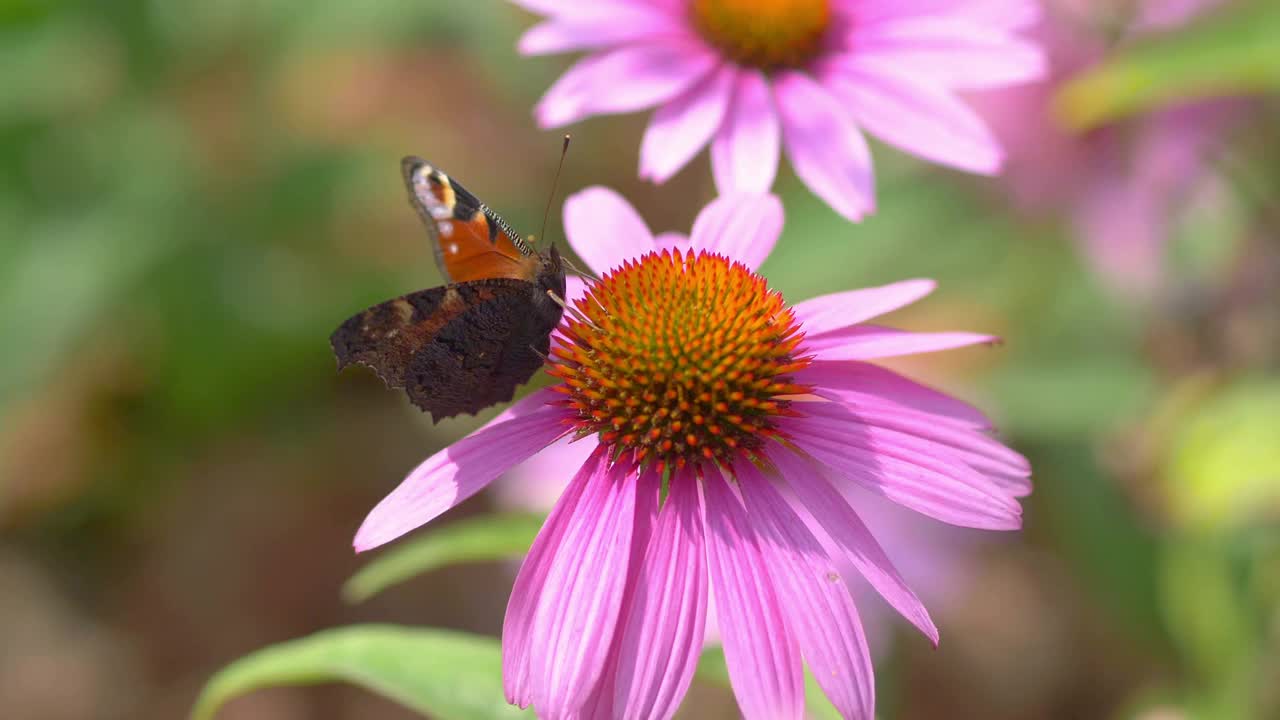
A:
[446, 229]
[453, 248]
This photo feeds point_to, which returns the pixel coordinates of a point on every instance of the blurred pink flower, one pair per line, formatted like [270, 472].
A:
[752, 76]
[681, 371]
[1121, 184]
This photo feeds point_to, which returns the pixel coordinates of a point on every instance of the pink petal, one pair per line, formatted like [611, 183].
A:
[826, 148]
[601, 702]
[834, 514]
[670, 241]
[867, 342]
[948, 52]
[935, 487]
[1004, 14]
[901, 110]
[744, 153]
[680, 128]
[537, 483]
[742, 227]
[664, 627]
[599, 27]
[817, 604]
[762, 653]
[577, 612]
[864, 378]
[978, 450]
[624, 79]
[839, 310]
[463, 469]
[603, 228]
[517, 625]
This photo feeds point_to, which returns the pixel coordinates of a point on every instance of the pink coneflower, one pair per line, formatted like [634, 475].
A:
[752, 76]
[721, 424]
[1123, 186]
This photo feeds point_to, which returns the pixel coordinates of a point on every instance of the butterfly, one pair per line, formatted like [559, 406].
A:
[464, 346]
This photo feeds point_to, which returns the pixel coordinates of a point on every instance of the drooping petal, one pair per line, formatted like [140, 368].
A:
[826, 149]
[577, 613]
[977, 449]
[680, 128]
[537, 483]
[664, 627]
[935, 486]
[600, 27]
[957, 54]
[670, 241]
[903, 111]
[517, 625]
[868, 342]
[852, 376]
[840, 310]
[601, 702]
[1003, 14]
[744, 153]
[760, 649]
[846, 529]
[817, 602]
[463, 469]
[632, 77]
[604, 229]
[742, 227]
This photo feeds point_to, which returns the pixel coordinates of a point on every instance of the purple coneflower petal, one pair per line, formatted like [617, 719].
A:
[864, 378]
[827, 150]
[868, 342]
[664, 627]
[840, 310]
[603, 229]
[843, 525]
[463, 469]
[740, 226]
[817, 602]
[744, 153]
[624, 79]
[670, 241]
[517, 625]
[980, 451]
[902, 111]
[577, 613]
[957, 54]
[599, 27]
[759, 648]
[680, 128]
[939, 487]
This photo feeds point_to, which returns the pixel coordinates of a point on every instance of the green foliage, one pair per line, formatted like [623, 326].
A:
[448, 675]
[477, 539]
[1231, 52]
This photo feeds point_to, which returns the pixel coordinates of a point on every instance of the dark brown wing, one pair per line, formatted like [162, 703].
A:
[454, 349]
[471, 242]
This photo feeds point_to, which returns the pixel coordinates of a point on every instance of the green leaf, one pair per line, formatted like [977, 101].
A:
[489, 537]
[712, 669]
[450, 675]
[1226, 53]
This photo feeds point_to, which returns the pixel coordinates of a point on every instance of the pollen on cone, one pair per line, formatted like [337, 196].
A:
[679, 358]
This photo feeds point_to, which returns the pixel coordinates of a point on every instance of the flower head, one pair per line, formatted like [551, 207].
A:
[719, 426]
[1122, 186]
[753, 76]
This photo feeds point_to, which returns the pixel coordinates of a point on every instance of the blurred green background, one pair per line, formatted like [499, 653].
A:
[194, 194]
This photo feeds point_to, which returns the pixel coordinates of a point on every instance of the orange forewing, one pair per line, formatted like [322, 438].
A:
[470, 241]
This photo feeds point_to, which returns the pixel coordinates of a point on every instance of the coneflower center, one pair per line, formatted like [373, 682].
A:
[763, 33]
[679, 358]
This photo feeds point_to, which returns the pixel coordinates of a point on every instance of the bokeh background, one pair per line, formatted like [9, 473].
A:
[194, 194]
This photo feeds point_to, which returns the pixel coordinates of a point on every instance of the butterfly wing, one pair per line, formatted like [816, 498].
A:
[471, 241]
[454, 349]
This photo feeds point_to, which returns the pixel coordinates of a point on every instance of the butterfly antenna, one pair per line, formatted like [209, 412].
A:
[564, 150]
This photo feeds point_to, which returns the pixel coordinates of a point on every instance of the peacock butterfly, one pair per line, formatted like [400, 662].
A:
[466, 345]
